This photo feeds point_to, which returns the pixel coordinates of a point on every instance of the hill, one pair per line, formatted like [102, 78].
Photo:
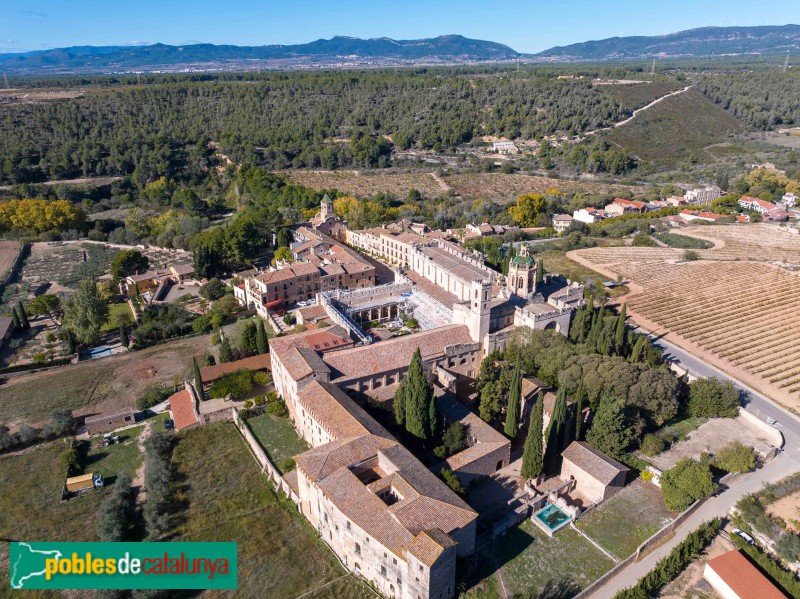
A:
[702, 42]
[446, 48]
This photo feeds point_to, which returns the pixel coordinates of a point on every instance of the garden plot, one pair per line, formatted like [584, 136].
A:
[59, 266]
[712, 436]
[737, 308]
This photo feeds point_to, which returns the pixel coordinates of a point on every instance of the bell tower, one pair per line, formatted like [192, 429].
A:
[521, 279]
[326, 208]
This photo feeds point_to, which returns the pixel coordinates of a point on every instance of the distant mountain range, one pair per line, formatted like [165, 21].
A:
[703, 42]
[445, 48]
[350, 51]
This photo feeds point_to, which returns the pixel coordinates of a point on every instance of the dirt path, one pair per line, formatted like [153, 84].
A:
[638, 110]
[441, 182]
[87, 180]
[138, 479]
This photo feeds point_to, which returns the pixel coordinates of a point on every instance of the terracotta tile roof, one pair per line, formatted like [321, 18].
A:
[183, 409]
[183, 269]
[427, 546]
[455, 265]
[339, 415]
[323, 341]
[742, 577]
[292, 271]
[209, 374]
[635, 204]
[320, 462]
[300, 364]
[312, 312]
[595, 464]
[395, 353]
[484, 439]
[562, 217]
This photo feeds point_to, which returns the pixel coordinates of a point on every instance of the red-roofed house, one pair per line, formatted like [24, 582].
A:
[620, 206]
[779, 215]
[183, 409]
[690, 215]
[734, 577]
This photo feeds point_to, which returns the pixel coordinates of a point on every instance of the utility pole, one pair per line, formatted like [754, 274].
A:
[786, 63]
[653, 68]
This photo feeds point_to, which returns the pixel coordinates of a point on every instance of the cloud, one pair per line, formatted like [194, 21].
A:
[7, 42]
[137, 43]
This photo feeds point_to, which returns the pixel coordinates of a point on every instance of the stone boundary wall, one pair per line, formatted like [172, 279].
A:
[650, 543]
[775, 436]
[267, 467]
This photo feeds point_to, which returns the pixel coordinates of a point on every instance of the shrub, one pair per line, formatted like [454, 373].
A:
[286, 465]
[691, 255]
[115, 515]
[276, 408]
[158, 473]
[262, 378]
[686, 482]
[736, 457]
[289, 319]
[440, 451]
[260, 400]
[153, 394]
[234, 385]
[248, 404]
[412, 323]
[713, 398]
[213, 290]
[643, 240]
[272, 396]
[647, 476]
[455, 438]
[652, 445]
[70, 460]
[451, 480]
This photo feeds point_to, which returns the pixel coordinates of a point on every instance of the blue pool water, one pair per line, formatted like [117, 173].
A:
[552, 517]
[99, 352]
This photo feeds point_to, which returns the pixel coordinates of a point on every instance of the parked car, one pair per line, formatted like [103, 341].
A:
[168, 424]
[750, 540]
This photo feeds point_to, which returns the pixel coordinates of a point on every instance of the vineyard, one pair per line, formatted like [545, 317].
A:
[737, 307]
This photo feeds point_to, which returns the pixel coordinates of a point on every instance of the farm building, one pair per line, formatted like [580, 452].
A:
[104, 423]
[619, 207]
[597, 476]
[734, 577]
[561, 222]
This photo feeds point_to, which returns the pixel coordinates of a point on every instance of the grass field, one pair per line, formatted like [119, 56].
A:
[504, 189]
[630, 517]
[663, 134]
[31, 508]
[120, 457]
[114, 312]
[224, 497]
[532, 562]
[95, 386]
[278, 437]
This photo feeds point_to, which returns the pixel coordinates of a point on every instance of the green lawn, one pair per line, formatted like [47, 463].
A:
[530, 563]
[679, 429]
[31, 508]
[224, 497]
[623, 522]
[114, 312]
[278, 437]
[120, 457]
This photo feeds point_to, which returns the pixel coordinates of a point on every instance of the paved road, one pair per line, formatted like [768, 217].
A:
[787, 462]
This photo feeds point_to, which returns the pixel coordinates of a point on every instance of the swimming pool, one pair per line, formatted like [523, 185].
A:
[551, 519]
[99, 352]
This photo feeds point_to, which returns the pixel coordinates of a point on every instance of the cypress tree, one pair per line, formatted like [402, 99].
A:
[261, 338]
[69, 343]
[249, 343]
[579, 413]
[639, 349]
[420, 418]
[15, 319]
[514, 398]
[23, 316]
[539, 271]
[619, 333]
[555, 428]
[533, 453]
[400, 404]
[123, 336]
[225, 353]
[198, 380]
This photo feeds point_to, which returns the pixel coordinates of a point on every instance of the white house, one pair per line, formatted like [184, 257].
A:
[590, 215]
[756, 204]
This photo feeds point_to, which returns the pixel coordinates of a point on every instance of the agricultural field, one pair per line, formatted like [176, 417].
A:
[57, 266]
[8, 253]
[504, 189]
[662, 134]
[628, 519]
[736, 307]
[96, 386]
[228, 499]
[526, 562]
[362, 185]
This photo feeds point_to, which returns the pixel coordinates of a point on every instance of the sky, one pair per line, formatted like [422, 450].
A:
[526, 26]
